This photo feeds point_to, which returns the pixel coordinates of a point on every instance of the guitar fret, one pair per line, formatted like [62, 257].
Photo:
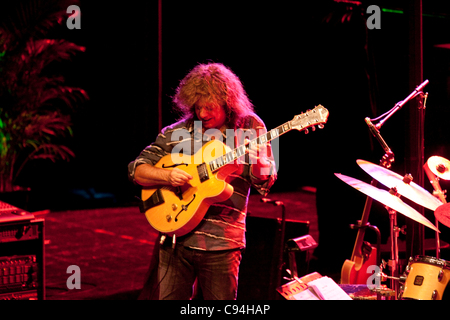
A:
[240, 151]
[215, 165]
[273, 133]
[285, 127]
[262, 139]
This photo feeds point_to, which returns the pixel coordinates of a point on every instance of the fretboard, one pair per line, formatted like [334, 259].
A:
[240, 151]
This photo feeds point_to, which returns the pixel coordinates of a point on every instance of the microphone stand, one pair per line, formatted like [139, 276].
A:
[400, 104]
[392, 214]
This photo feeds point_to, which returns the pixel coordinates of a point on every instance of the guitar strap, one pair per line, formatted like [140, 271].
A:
[154, 200]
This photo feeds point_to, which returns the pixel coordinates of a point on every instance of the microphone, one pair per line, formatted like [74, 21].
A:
[377, 135]
[371, 127]
[389, 154]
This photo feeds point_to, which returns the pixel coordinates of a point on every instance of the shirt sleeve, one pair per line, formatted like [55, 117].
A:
[162, 146]
[262, 186]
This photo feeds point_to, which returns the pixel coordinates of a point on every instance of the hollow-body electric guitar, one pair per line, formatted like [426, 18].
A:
[178, 210]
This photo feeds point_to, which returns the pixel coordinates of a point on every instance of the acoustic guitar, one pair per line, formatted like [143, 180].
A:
[178, 210]
[354, 271]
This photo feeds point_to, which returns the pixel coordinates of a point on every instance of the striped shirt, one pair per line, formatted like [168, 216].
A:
[223, 226]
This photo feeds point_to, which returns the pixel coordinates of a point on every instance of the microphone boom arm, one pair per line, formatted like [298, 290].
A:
[400, 104]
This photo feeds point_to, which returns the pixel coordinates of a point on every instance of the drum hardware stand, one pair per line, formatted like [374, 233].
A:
[394, 230]
[398, 280]
[386, 162]
[393, 262]
[439, 193]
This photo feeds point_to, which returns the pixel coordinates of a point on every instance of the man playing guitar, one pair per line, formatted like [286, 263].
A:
[214, 106]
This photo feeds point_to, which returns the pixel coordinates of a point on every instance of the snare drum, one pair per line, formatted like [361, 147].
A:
[427, 278]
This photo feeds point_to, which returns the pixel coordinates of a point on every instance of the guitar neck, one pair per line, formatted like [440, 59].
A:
[240, 151]
[357, 249]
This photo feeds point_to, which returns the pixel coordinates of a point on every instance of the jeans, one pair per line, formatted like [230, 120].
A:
[215, 273]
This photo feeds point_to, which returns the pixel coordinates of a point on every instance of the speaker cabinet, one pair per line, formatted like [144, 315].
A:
[259, 272]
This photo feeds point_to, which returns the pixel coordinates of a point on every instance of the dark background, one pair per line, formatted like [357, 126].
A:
[290, 57]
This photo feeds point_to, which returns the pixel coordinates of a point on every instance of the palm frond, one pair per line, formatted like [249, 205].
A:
[47, 151]
[52, 152]
[43, 126]
[27, 67]
[33, 118]
[27, 19]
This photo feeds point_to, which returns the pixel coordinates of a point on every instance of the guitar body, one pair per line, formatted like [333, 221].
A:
[184, 207]
[355, 271]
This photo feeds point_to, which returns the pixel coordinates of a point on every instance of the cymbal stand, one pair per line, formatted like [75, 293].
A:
[386, 162]
[434, 180]
[393, 262]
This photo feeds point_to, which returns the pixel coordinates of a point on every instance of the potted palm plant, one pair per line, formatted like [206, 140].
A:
[35, 103]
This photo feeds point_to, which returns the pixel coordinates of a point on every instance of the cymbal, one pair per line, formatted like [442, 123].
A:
[387, 199]
[410, 190]
[442, 213]
[440, 167]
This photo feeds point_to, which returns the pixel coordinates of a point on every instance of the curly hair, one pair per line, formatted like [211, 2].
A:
[213, 83]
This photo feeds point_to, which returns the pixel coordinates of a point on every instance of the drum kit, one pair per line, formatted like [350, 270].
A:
[425, 277]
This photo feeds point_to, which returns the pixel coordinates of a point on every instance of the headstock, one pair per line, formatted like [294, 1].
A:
[317, 116]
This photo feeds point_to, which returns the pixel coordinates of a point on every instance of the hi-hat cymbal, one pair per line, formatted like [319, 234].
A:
[443, 214]
[440, 167]
[410, 190]
[387, 199]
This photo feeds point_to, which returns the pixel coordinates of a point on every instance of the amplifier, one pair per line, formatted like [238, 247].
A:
[10, 213]
[22, 257]
[23, 295]
[18, 273]
[258, 272]
[18, 232]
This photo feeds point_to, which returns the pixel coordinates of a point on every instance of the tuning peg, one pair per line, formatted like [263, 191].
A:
[313, 128]
[306, 131]
[321, 126]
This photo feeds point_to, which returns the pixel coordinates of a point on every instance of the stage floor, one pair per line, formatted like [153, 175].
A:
[113, 246]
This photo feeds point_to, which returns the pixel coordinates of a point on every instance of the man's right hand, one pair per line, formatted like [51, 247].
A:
[178, 177]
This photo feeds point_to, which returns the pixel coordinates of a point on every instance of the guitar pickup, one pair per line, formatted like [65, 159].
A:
[202, 172]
